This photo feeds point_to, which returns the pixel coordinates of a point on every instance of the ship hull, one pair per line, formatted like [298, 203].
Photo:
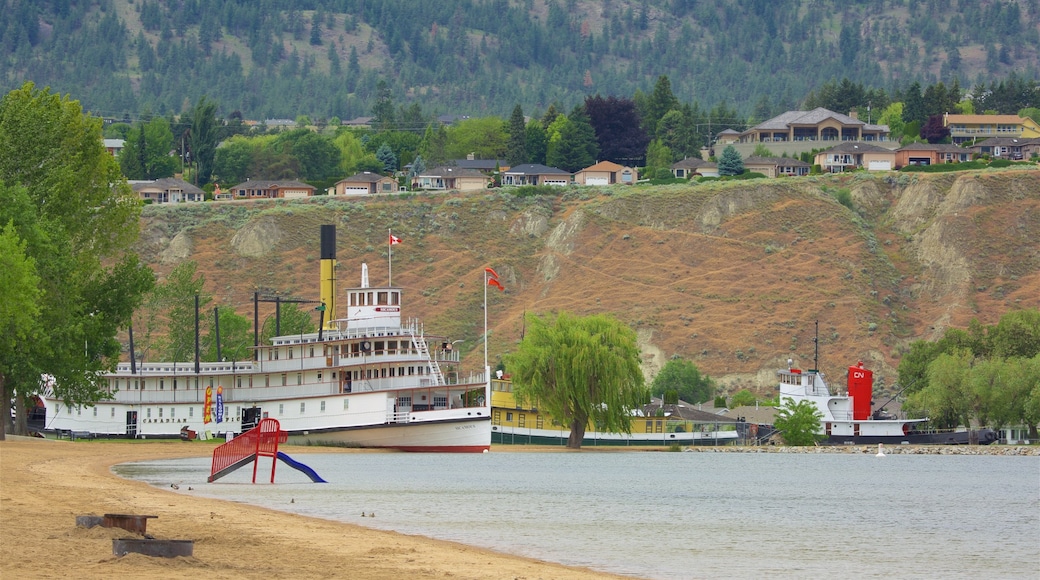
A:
[977, 437]
[511, 436]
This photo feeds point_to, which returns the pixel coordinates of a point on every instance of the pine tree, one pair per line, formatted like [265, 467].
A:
[731, 163]
[516, 147]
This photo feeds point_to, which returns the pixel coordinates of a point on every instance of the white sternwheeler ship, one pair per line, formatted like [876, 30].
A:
[367, 380]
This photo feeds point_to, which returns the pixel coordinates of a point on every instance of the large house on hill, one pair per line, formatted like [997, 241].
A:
[450, 178]
[818, 124]
[606, 173]
[973, 128]
[850, 156]
[271, 189]
[167, 190]
[535, 174]
[930, 154]
[365, 183]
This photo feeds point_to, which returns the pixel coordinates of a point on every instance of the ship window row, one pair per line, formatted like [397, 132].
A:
[160, 412]
[374, 298]
[373, 347]
[386, 372]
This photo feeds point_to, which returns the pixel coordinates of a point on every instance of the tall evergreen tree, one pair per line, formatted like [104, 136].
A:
[386, 156]
[660, 101]
[577, 146]
[516, 147]
[203, 138]
[914, 105]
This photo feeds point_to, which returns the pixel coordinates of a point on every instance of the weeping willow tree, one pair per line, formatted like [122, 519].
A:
[579, 370]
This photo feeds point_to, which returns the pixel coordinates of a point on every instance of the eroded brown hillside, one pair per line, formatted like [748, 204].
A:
[731, 276]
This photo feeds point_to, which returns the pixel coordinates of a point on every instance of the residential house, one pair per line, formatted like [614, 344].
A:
[930, 154]
[485, 166]
[727, 137]
[535, 174]
[850, 156]
[818, 124]
[450, 178]
[971, 128]
[1007, 147]
[693, 167]
[365, 183]
[606, 173]
[167, 190]
[271, 189]
[776, 166]
[114, 146]
[358, 122]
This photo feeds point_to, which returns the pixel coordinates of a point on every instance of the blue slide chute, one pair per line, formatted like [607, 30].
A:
[301, 467]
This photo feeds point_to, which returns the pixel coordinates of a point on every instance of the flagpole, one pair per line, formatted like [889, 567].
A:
[487, 369]
[389, 258]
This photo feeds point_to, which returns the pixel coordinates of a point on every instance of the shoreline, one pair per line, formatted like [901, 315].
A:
[45, 484]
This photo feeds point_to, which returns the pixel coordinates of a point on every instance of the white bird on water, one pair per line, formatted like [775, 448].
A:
[880, 451]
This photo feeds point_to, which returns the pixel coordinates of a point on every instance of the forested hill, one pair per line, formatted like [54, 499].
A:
[325, 58]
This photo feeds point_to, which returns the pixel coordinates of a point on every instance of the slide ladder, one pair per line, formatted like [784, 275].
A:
[260, 441]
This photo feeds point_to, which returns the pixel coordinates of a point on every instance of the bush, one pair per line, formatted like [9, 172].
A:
[535, 190]
[844, 198]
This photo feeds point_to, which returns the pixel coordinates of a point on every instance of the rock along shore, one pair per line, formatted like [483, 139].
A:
[1026, 450]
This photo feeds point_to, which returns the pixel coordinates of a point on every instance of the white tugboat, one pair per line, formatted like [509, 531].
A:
[847, 419]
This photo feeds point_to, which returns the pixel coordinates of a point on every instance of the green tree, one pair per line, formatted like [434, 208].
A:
[577, 147]
[914, 106]
[293, 320]
[386, 156]
[234, 158]
[742, 398]
[947, 398]
[658, 157]
[383, 111]
[236, 336]
[146, 154]
[202, 139]
[1017, 334]
[731, 163]
[798, 423]
[536, 142]
[68, 204]
[660, 101]
[484, 137]
[434, 145]
[516, 148]
[19, 309]
[683, 377]
[178, 292]
[580, 369]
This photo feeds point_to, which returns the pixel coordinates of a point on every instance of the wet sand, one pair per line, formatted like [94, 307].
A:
[45, 484]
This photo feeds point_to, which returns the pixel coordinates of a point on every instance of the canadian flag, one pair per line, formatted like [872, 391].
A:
[492, 278]
[394, 239]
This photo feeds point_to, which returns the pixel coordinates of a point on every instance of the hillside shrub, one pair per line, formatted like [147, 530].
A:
[945, 167]
[535, 190]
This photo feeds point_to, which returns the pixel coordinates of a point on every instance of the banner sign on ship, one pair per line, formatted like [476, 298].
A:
[220, 404]
[207, 406]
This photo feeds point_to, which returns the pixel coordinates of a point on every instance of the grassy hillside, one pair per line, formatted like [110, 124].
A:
[731, 276]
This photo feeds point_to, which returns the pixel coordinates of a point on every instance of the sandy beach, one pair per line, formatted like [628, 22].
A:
[45, 484]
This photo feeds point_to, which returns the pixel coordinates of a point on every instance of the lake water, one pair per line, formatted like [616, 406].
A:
[676, 515]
